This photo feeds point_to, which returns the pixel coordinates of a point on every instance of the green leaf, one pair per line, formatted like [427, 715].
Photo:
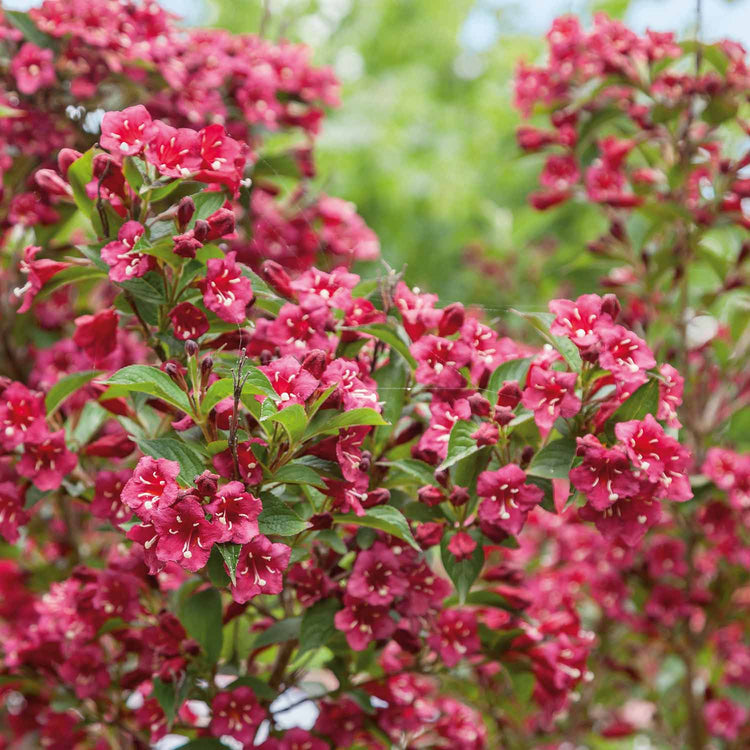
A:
[645, 400]
[135, 172]
[293, 419]
[460, 443]
[67, 386]
[297, 473]
[462, 573]
[317, 625]
[215, 568]
[542, 322]
[554, 460]
[276, 165]
[546, 486]
[387, 335]
[514, 369]
[70, 275]
[166, 695]
[257, 383]
[206, 203]
[332, 421]
[80, 173]
[149, 288]
[277, 518]
[419, 470]
[162, 191]
[218, 391]
[91, 418]
[190, 461]
[151, 380]
[384, 518]
[206, 743]
[280, 632]
[28, 28]
[230, 554]
[201, 616]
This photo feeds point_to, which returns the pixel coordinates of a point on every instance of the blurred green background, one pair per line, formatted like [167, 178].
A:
[424, 141]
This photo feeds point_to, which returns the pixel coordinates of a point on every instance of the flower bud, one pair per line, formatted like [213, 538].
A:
[480, 406]
[376, 497]
[220, 223]
[430, 495]
[175, 373]
[320, 521]
[265, 357]
[191, 348]
[503, 415]
[200, 230]
[617, 230]
[452, 320]
[744, 253]
[611, 306]
[315, 362]
[526, 455]
[366, 462]
[487, 434]
[429, 534]
[65, 158]
[186, 245]
[185, 211]
[207, 366]
[277, 278]
[442, 477]
[408, 641]
[206, 483]
[459, 496]
[509, 395]
[51, 182]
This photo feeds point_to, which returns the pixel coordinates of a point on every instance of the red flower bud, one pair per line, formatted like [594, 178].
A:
[185, 211]
[315, 362]
[191, 348]
[429, 534]
[377, 497]
[480, 406]
[220, 223]
[65, 158]
[611, 306]
[509, 395]
[503, 415]
[430, 495]
[321, 521]
[276, 277]
[452, 320]
[51, 182]
[459, 496]
[487, 434]
[200, 230]
[206, 483]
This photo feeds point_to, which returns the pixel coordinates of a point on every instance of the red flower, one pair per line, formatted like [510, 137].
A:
[462, 546]
[175, 152]
[578, 320]
[12, 513]
[97, 334]
[293, 384]
[623, 353]
[376, 578]
[188, 321]
[439, 361]
[235, 513]
[260, 569]
[185, 536]
[125, 264]
[152, 487]
[507, 500]
[628, 518]
[363, 623]
[250, 470]
[225, 290]
[107, 503]
[605, 475]
[455, 636]
[724, 718]
[127, 132]
[22, 416]
[236, 713]
[39, 272]
[560, 172]
[550, 394]
[46, 461]
[33, 69]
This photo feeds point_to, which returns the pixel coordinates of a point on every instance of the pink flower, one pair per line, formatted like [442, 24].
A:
[188, 321]
[443, 416]
[250, 470]
[127, 132]
[175, 152]
[46, 461]
[661, 457]
[225, 290]
[260, 569]
[560, 172]
[33, 69]
[363, 623]
[235, 512]
[12, 513]
[550, 394]
[152, 487]
[293, 384]
[724, 718]
[222, 157]
[605, 474]
[627, 519]
[440, 360]
[455, 636]
[107, 503]
[376, 578]
[462, 546]
[125, 264]
[623, 353]
[39, 272]
[670, 395]
[97, 334]
[578, 320]
[507, 500]
[22, 416]
[185, 536]
[237, 713]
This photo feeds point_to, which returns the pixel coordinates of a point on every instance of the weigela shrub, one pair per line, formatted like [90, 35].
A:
[654, 134]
